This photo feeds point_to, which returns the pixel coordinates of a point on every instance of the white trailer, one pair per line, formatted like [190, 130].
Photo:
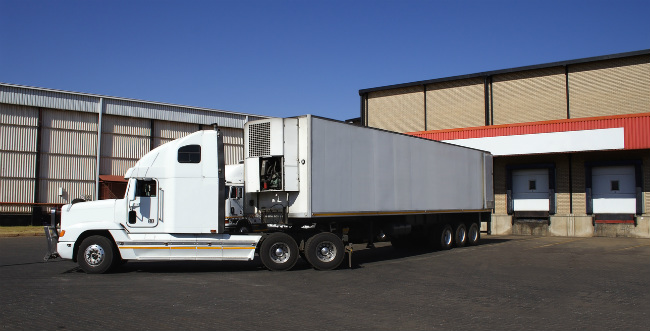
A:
[317, 184]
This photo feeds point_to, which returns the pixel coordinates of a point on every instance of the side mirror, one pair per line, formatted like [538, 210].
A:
[131, 191]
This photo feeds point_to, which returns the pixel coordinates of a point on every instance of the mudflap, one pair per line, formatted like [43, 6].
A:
[52, 237]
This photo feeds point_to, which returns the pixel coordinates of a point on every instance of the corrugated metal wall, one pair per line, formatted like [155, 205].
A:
[456, 104]
[68, 161]
[613, 87]
[233, 140]
[400, 110]
[529, 96]
[18, 126]
[124, 141]
[68, 140]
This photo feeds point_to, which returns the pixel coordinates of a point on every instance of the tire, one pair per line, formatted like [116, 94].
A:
[96, 255]
[325, 251]
[446, 237]
[279, 252]
[460, 235]
[473, 235]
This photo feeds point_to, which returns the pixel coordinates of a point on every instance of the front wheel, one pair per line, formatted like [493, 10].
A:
[325, 251]
[96, 255]
[279, 252]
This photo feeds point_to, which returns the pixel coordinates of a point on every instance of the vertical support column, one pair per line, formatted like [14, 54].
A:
[151, 136]
[36, 211]
[566, 80]
[100, 111]
[424, 91]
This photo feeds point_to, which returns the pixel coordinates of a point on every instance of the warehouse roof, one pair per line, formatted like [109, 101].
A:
[505, 71]
[86, 102]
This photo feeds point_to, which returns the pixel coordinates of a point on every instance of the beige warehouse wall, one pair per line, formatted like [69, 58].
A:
[399, 110]
[529, 96]
[612, 87]
[456, 104]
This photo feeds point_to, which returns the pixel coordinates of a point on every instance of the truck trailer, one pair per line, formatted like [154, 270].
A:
[308, 187]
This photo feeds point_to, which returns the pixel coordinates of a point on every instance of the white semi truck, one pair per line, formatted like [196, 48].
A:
[314, 185]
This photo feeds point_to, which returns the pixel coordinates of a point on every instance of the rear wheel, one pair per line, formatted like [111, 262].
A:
[325, 251]
[473, 234]
[446, 236]
[460, 235]
[279, 252]
[96, 255]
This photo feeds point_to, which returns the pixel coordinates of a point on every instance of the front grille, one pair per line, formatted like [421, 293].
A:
[259, 139]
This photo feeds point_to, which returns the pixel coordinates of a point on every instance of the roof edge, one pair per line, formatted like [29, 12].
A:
[505, 71]
[128, 99]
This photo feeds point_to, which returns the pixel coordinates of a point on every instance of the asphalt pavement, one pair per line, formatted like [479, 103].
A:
[506, 283]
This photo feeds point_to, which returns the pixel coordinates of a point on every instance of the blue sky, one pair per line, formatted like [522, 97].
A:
[287, 58]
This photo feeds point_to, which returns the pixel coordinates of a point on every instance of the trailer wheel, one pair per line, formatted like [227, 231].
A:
[325, 251]
[96, 255]
[446, 236]
[279, 252]
[473, 235]
[460, 235]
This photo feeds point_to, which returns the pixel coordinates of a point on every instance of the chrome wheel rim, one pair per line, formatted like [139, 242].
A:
[280, 253]
[94, 255]
[447, 237]
[325, 251]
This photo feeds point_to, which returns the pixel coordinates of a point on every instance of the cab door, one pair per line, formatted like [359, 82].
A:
[143, 203]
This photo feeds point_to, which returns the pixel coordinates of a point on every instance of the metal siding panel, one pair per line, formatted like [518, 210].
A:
[233, 153]
[128, 147]
[69, 120]
[529, 96]
[20, 165]
[68, 142]
[173, 113]
[399, 110]
[116, 167]
[71, 190]
[126, 125]
[16, 190]
[611, 87]
[69, 167]
[16, 138]
[456, 104]
[18, 115]
[173, 130]
[47, 99]
[637, 136]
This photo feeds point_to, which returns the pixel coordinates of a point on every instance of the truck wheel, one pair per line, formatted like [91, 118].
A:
[446, 236]
[96, 255]
[473, 235]
[325, 251]
[460, 235]
[279, 252]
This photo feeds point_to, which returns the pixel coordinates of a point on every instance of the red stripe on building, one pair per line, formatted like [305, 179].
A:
[636, 129]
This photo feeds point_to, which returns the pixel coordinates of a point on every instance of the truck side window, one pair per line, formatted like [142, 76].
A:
[145, 188]
[189, 154]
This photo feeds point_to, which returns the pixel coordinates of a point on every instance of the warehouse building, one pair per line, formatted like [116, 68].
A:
[57, 146]
[571, 139]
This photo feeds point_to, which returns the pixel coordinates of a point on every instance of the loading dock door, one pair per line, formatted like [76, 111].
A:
[614, 190]
[530, 190]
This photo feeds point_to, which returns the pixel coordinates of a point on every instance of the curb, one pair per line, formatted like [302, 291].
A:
[25, 234]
